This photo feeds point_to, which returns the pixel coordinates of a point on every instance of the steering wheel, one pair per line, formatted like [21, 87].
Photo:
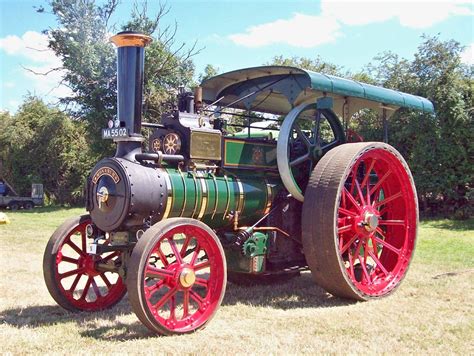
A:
[305, 136]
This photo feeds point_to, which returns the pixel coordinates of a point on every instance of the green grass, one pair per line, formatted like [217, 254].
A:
[446, 243]
[432, 311]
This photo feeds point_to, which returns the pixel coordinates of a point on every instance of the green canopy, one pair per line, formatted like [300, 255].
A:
[277, 89]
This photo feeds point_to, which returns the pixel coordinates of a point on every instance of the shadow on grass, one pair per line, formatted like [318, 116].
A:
[300, 292]
[455, 225]
[42, 209]
[44, 315]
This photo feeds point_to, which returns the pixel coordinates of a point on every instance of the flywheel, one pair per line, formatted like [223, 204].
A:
[306, 134]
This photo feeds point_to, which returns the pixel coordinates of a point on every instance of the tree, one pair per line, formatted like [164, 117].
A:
[439, 148]
[43, 145]
[316, 64]
[89, 62]
[209, 72]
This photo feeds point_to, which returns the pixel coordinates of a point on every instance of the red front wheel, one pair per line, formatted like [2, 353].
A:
[177, 276]
[360, 220]
[70, 272]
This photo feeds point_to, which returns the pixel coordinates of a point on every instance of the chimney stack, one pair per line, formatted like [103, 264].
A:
[130, 68]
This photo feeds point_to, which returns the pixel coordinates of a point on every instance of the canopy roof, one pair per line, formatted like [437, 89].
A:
[277, 89]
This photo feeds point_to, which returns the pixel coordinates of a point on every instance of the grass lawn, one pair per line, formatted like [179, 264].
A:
[432, 312]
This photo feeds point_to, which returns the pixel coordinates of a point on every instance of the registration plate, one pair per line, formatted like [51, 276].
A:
[115, 132]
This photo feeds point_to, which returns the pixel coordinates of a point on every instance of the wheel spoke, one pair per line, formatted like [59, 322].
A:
[344, 203]
[366, 180]
[197, 298]
[75, 247]
[363, 263]
[383, 211]
[202, 282]
[95, 288]
[357, 250]
[86, 288]
[68, 259]
[165, 298]
[300, 160]
[389, 199]
[359, 192]
[380, 182]
[351, 199]
[185, 303]
[74, 284]
[71, 273]
[202, 265]
[378, 263]
[175, 251]
[162, 256]
[385, 243]
[105, 279]
[392, 222]
[329, 145]
[346, 212]
[364, 269]
[351, 265]
[150, 289]
[153, 272]
[173, 308]
[195, 254]
[302, 135]
[349, 243]
[343, 229]
[182, 253]
[353, 175]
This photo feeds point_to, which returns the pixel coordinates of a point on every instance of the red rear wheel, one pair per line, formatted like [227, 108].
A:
[177, 276]
[360, 220]
[70, 273]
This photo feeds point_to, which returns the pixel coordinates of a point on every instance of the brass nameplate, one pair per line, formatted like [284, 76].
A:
[205, 145]
[106, 171]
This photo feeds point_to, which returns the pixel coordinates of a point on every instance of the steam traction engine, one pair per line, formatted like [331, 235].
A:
[172, 224]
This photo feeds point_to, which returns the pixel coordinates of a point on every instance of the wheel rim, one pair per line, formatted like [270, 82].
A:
[376, 222]
[79, 281]
[305, 136]
[183, 292]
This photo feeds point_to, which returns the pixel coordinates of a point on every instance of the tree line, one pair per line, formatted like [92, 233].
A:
[41, 143]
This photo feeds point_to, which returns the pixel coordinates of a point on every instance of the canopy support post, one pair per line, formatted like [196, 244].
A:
[385, 125]
[345, 114]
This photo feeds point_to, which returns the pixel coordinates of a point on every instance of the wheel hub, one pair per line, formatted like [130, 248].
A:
[367, 221]
[371, 221]
[187, 277]
[89, 265]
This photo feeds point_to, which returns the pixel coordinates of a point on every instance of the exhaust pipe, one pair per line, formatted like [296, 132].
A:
[130, 69]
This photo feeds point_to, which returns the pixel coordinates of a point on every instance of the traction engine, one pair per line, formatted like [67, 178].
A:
[203, 204]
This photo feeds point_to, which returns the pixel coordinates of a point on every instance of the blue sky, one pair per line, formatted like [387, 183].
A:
[237, 34]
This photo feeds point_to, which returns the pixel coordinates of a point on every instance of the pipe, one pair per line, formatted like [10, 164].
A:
[130, 68]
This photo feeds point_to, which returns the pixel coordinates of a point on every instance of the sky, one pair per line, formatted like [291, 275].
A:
[235, 34]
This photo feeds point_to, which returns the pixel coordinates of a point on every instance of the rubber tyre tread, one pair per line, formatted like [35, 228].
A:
[137, 263]
[320, 213]
[49, 263]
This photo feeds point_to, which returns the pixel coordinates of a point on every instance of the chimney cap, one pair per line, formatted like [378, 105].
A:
[130, 39]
